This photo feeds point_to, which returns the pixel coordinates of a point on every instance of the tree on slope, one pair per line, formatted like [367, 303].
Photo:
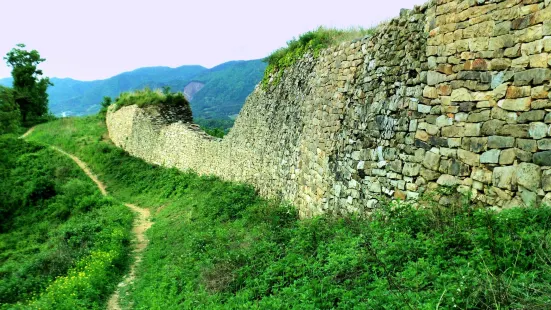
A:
[9, 112]
[28, 85]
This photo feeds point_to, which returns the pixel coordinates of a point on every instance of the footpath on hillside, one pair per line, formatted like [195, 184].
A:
[140, 225]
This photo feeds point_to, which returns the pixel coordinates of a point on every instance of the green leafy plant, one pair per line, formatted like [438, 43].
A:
[310, 42]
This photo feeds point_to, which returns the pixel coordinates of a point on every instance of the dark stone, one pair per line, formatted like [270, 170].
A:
[458, 168]
[438, 141]
[537, 76]
[543, 158]
[422, 144]
[466, 106]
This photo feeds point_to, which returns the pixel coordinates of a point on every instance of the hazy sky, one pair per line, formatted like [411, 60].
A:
[97, 39]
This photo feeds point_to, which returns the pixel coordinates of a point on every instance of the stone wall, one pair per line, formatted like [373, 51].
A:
[452, 93]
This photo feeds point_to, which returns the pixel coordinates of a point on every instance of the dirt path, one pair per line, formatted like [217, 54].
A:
[141, 223]
[27, 133]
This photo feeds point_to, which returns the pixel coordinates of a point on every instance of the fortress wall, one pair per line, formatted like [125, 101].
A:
[453, 93]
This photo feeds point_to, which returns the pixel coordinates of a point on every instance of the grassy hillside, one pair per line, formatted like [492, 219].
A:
[217, 245]
[62, 245]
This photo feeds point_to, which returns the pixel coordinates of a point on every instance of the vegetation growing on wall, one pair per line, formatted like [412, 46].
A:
[62, 244]
[147, 97]
[312, 41]
[217, 245]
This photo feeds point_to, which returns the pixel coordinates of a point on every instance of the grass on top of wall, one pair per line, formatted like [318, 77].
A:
[217, 245]
[312, 41]
[146, 97]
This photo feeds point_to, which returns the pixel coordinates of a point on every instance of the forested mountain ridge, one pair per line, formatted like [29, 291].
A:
[224, 91]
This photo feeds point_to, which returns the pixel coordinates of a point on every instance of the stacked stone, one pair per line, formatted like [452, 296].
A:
[488, 101]
[374, 153]
[453, 93]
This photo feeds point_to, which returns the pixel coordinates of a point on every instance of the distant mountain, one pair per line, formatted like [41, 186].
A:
[222, 90]
[214, 93]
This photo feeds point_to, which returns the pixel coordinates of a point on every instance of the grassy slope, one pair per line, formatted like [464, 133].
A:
[61, 243]
[216, 245]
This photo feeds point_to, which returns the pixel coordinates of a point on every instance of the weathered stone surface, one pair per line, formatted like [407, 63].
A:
[470, 158]
[521, 104]
[475, 144]
[491, 127]
[482, 175]
[543, 158]
[538, 130]
[431, 160]
[411, 169]
[514, 130]
[500, 142]
[514, 92]
[507, 157]
[536, 76]
[531, 116]
[461, 94]
[490, 157]
[527, 145]
[546, 180]
[503, 177]
[541, 104]
[544, 144]
[529, 176]
[448, 180]
[479, 117]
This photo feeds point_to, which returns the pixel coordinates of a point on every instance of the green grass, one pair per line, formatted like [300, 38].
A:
[146, 97]
[62, 244]
[313, 41]
[217, 245]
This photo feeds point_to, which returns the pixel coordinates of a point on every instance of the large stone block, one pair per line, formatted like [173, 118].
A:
[543, 158]
[411, 169]
[490, 157]
[470, 158]
[529, 176]
[503, 177]
[546, 180]
[431, 160]
[482, 175]
[538, 130]
[500, 142]
[520, 104]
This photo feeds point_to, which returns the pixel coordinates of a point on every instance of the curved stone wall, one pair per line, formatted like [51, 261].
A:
[451, 93]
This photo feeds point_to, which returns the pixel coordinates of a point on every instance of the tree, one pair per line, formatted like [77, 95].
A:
[28, 85]
[9, 112]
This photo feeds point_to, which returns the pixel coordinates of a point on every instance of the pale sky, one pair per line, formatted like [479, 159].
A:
[88, 40]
